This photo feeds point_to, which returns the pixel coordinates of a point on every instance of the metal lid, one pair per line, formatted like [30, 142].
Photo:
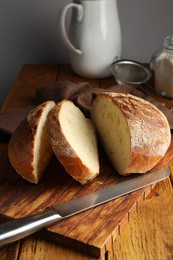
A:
[168, 42]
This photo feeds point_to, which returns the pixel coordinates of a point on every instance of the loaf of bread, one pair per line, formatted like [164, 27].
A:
[29, 148]
[73, 140]
[134, 133]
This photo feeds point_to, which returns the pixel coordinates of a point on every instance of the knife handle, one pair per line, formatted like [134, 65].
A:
[19, 228]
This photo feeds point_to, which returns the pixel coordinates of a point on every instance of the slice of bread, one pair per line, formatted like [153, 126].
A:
[73, 140]
[134, 133]
[29, 148]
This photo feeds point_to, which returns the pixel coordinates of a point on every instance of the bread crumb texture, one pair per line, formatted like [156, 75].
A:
[29, 148]
[134, 133]
[74, 141]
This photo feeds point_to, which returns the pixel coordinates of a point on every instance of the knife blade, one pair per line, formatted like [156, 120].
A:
[19, 228]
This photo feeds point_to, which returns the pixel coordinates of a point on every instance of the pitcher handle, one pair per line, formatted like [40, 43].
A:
[62, 26]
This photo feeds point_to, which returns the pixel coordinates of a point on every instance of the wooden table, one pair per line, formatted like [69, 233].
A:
[148, 235]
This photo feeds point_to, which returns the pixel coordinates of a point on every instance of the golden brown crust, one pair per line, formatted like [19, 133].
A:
[141, 163]
[149, 131]
[22, 140]
[22, 144]
[63, 150]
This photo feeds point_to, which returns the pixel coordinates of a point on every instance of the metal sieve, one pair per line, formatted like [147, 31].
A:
[130, 72]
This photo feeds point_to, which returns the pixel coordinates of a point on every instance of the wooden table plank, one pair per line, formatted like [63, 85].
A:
[150, 233]
[30, 77]
[147, 236]
[23, 91]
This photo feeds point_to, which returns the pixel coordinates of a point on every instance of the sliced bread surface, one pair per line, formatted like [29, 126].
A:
[134, 133]
[73, 140]
[29, 148]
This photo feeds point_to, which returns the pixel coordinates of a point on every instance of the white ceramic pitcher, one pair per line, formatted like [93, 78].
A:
[95, 36]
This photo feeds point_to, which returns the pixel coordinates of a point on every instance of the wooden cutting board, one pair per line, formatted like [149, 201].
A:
[92, 231]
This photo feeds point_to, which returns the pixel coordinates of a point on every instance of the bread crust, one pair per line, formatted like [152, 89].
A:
[22, 144]
[64, 151]
[149, 131]
[22, 140]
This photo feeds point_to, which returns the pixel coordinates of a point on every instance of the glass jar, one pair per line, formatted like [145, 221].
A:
[162, 65]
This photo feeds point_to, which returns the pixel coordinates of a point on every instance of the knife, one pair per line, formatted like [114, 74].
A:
[19, 228]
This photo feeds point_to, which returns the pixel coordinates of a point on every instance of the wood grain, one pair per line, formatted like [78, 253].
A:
[147, 236]
[151, 224]
[91, 232]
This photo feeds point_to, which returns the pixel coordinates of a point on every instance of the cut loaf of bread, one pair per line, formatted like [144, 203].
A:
[73, 140]
[134, 133]
[29, 147]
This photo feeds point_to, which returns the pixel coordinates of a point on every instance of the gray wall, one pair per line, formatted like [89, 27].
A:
[29, 33]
